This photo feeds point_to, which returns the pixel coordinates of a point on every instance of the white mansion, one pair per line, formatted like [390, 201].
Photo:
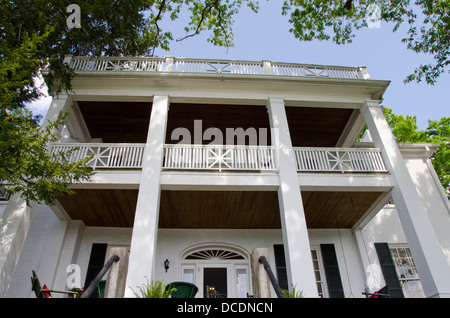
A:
[201, 162]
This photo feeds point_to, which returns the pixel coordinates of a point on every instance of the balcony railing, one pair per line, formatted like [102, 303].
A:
[108, 156]
[226, 158]
[189, 65]
[339, 160]
[219, 157]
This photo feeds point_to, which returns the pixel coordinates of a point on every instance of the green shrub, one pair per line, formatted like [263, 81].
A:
[293, 293]
[155, 289]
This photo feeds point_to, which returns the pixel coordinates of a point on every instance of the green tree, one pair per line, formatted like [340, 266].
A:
[25, 163]
[405, 129]
[439, 132]
[34, 35]
[428, 23]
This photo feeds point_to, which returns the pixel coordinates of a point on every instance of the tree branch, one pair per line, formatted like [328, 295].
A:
[158, 30]
[197, 31]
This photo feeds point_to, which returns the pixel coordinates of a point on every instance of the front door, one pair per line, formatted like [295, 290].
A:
[217, 273]
[215, 283]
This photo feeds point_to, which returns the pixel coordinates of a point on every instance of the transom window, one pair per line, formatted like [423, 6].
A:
[214, 254]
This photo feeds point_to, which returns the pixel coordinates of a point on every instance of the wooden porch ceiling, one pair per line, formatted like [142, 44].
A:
[127, 122]
[117, 122]
[217, 209]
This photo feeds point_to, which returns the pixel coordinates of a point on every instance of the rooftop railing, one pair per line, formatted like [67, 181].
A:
[211, 66]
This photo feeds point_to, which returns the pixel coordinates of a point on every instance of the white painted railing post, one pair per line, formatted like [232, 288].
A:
[267, 67]
[68, 59]
[299, 265]
[169, 64]
[433, 268]
[363, 72]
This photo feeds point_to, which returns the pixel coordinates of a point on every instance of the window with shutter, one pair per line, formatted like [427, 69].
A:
[388, 269]
[332, 273]
[280, 265]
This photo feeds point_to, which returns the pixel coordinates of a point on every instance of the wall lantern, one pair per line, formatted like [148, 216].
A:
[166, 264]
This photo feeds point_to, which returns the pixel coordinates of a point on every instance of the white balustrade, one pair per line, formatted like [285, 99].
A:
[316, 71]
[224, 157]
[218, 66]
[117, 64]
[103, 155]
[189, 65]
[219, 157]
[339, 160]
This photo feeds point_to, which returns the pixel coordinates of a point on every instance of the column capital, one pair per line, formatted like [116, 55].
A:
[272, 101]
[163, 98]
[370, 103]
[59, 95]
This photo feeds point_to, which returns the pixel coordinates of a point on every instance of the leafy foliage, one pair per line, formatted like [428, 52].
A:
[405, 129]
[439, 132]
[155, 289]
[338, 20]
[34, 35]
[26, 163]
[292, 294]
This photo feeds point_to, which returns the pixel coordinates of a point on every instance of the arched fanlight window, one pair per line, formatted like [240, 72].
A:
[214, 254]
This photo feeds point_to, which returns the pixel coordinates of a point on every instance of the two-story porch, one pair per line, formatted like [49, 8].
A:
[199, 162]
[229, 187]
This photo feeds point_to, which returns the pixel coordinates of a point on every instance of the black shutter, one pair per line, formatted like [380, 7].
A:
[96, 262]
[332, 273]
[389, 271]
[280, 264]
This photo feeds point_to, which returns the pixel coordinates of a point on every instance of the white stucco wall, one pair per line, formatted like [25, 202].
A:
[171, 244]
[386, 226]
[435, 205]
[33, 253]
[3, 205]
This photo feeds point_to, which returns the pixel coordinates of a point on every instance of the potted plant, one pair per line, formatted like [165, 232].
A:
[153, 289]
[293, 293]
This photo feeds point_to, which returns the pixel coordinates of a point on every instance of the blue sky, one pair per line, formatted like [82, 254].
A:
[266, 36]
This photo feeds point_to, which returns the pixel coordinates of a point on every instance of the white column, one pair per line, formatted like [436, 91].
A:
[433, 268]
[299, 264]
[17, 216]
[68, 253]
[60, 104]
[145, 229]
